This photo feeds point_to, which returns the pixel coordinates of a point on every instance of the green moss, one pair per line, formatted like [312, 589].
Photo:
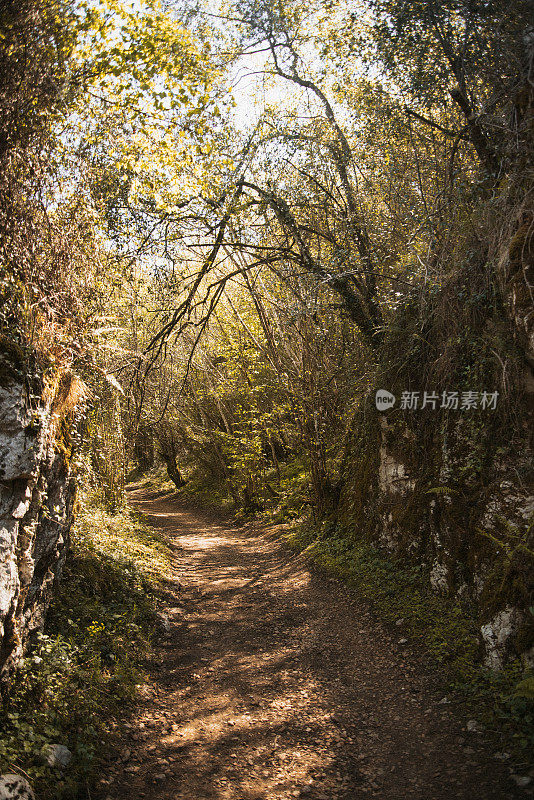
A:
[510, 580]
[359, 469]
[63, 440]
[521, 246]
[502, 587]
[86, 667]
[524, 636]
[409, 517]
[12, 360]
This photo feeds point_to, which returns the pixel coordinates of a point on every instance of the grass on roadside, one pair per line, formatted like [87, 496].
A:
[446, 630]
[88, 662]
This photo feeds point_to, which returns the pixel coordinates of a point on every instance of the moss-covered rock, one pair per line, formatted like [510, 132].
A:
[37, 493]
[451, 490]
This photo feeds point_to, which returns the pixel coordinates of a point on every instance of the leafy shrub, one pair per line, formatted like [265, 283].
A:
[88, 662]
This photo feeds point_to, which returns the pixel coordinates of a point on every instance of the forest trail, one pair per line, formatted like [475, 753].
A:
[273, 682]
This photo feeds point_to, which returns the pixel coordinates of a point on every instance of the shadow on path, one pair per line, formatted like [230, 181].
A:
[272, 682]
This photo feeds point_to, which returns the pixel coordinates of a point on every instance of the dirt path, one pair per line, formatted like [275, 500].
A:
[273, 683]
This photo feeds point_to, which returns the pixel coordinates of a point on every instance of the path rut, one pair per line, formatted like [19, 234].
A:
[274, 682]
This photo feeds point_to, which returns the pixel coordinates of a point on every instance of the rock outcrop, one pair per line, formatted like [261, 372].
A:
[38, 421]
[418, 487]
[449, 484]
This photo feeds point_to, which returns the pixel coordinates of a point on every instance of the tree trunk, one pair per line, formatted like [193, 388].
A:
[144, 454]
[167, 449]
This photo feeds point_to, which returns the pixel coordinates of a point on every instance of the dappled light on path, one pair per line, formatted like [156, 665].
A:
[272, 682]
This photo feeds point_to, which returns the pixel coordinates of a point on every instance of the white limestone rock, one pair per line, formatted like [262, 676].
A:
[36, 500]
[496, 634]
[57, 755]
[15, 787]
[439, 578]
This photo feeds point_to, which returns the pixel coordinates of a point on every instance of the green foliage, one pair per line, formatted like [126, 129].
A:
[107, 452]
[85, 669]
[421, 38]
[525, 687]
[254, 282]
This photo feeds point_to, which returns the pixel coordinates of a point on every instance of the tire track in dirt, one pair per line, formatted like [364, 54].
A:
[273, 682]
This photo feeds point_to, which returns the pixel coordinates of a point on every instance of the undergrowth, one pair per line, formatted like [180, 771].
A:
[288, 498]
[445, 630]
[88, 662]
[196, 492]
